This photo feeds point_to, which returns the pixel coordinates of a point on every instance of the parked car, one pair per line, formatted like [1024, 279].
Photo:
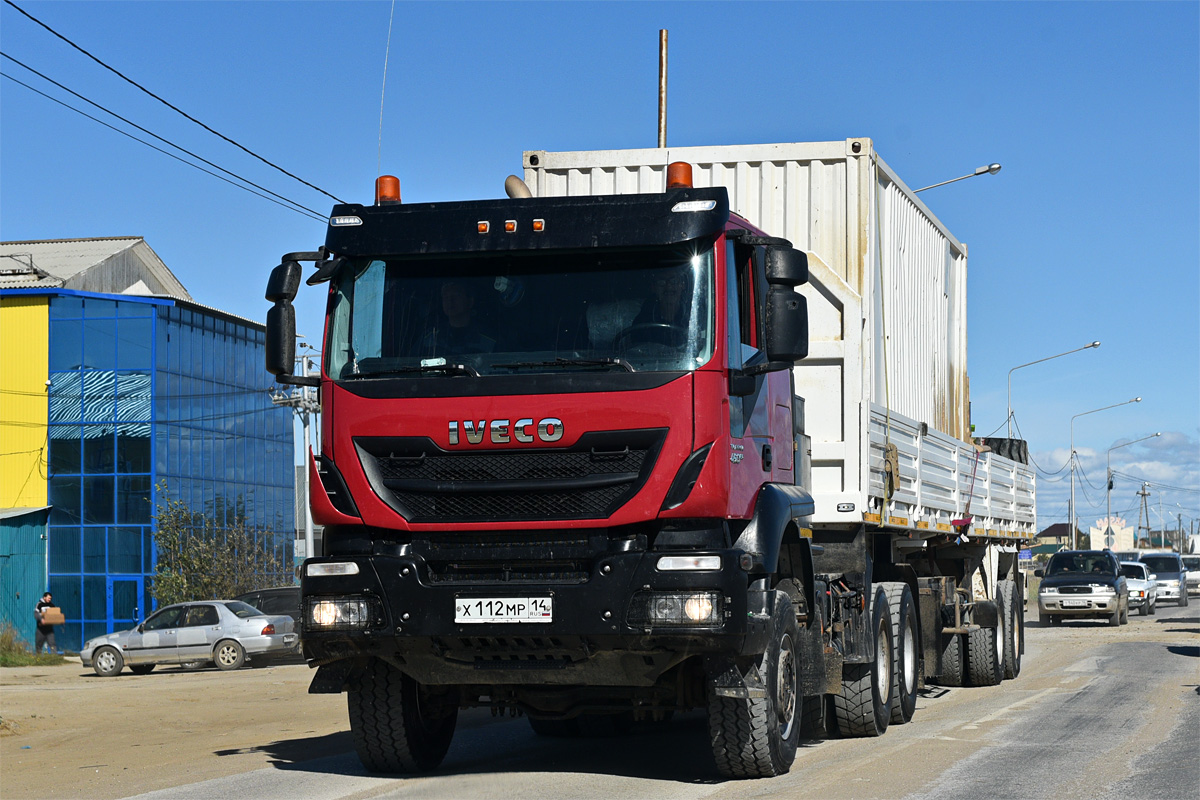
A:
[225, 632]
[277, 600]
[1192, 576]
[1083, 583]
[1143, 591]
[1172, 585]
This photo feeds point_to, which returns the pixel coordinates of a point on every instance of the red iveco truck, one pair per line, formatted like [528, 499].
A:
[565, 469]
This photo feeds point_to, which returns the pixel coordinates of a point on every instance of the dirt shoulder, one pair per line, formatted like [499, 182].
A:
[66, 732]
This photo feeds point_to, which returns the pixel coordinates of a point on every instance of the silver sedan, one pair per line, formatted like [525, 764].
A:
[225, 632]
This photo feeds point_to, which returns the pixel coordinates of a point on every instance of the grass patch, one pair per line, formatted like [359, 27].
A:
[14, 652]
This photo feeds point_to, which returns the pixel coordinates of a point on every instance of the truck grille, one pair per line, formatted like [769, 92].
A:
[589, 480]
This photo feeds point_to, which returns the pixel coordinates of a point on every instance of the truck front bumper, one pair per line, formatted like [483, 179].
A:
[624, 624]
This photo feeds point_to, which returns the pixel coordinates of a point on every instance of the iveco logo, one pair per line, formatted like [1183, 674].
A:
[502, 431]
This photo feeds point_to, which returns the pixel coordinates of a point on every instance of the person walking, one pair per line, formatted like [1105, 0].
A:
[45, 633]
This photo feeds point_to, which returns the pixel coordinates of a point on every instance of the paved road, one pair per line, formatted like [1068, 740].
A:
[1097, 713]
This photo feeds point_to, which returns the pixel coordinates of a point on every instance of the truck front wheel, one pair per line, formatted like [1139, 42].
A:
[756, 737]
[398, 725]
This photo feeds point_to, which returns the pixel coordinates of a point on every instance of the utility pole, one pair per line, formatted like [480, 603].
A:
[304, 402]
[1144, 511]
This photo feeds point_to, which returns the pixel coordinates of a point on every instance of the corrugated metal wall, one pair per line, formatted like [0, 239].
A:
[24, 365]
[22, 569]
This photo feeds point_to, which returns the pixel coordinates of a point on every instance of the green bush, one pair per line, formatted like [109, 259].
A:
[14, 652]
[201, 559]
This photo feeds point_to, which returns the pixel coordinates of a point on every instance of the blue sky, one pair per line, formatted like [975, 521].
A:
[1089, 232]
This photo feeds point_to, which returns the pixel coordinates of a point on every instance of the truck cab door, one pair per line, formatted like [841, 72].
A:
[752, 454]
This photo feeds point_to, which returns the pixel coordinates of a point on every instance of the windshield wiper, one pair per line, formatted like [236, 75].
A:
[452, 369]
[569, 362]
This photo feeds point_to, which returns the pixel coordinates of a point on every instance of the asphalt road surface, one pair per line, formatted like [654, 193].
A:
[1099, 713]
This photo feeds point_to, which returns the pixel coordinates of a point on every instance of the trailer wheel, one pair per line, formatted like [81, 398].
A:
[985, 650]
[398, 725]
[756, 737]
[1010, 605]
[954, 662]
[906, 664]
[864, 706]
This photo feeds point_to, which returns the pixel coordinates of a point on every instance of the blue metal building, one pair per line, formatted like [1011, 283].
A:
[147, 398]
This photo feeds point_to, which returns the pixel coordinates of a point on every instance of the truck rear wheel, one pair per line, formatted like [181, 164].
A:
[864, 706]
[954, 661]
[985, 650]
[1011, 605]
[398, 725]
[756, 737]
[907, 657]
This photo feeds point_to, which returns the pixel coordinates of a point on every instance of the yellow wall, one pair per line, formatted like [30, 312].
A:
[24, 369]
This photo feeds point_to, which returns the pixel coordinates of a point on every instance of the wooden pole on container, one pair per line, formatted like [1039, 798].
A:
[662, 88]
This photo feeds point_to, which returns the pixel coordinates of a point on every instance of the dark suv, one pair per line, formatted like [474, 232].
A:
[1083, 583]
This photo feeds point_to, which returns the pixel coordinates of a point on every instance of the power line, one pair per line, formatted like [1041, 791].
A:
[1190, 490]
[159, 138]
[159, 149]
[1031, 459]
[167, 104]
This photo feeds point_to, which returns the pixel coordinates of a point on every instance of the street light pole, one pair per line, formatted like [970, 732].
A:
[990, 169]
[1108, 479]
[1030, 364]
[1071, 507]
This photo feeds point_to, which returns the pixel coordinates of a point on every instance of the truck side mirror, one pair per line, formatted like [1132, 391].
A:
[786, 324]
[281, 323]
[281, 318]
[786, 266]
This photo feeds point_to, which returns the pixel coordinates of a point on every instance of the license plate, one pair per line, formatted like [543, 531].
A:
[469, 610]
[1075, 603]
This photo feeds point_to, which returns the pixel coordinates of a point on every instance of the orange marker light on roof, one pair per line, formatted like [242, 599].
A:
[679, 175]
[483, 226]
[539, 225]
[387, 190]
[510, 226]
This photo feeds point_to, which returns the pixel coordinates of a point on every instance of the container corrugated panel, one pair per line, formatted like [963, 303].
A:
[886, 295]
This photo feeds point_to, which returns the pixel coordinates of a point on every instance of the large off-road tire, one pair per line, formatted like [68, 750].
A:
[756, 737]
[906, 644]
[228, 654]
[864, 705]
[397, 724]
[985, 652]
[954, 660]
[1010, 604]
[1125, 613]
[1114, 619]
[107, 661]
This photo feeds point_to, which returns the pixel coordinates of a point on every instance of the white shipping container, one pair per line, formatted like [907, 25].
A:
[887, 294]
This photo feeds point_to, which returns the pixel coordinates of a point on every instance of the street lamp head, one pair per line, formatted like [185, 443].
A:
[1137, 400]
[1094, 344]
[991, 169]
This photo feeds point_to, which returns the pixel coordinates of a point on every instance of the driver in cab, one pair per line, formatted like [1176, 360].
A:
[457, 331]
[666, 304]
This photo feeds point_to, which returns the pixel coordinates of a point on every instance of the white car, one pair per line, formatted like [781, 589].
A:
[225, 632]
[1192, 565]
[1143, 590]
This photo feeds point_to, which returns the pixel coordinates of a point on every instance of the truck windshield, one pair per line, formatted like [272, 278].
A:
[647, 309]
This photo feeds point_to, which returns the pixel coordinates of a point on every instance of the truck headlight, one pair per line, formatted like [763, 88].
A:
[1048, 590]
[676, 609]
[343, 613]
